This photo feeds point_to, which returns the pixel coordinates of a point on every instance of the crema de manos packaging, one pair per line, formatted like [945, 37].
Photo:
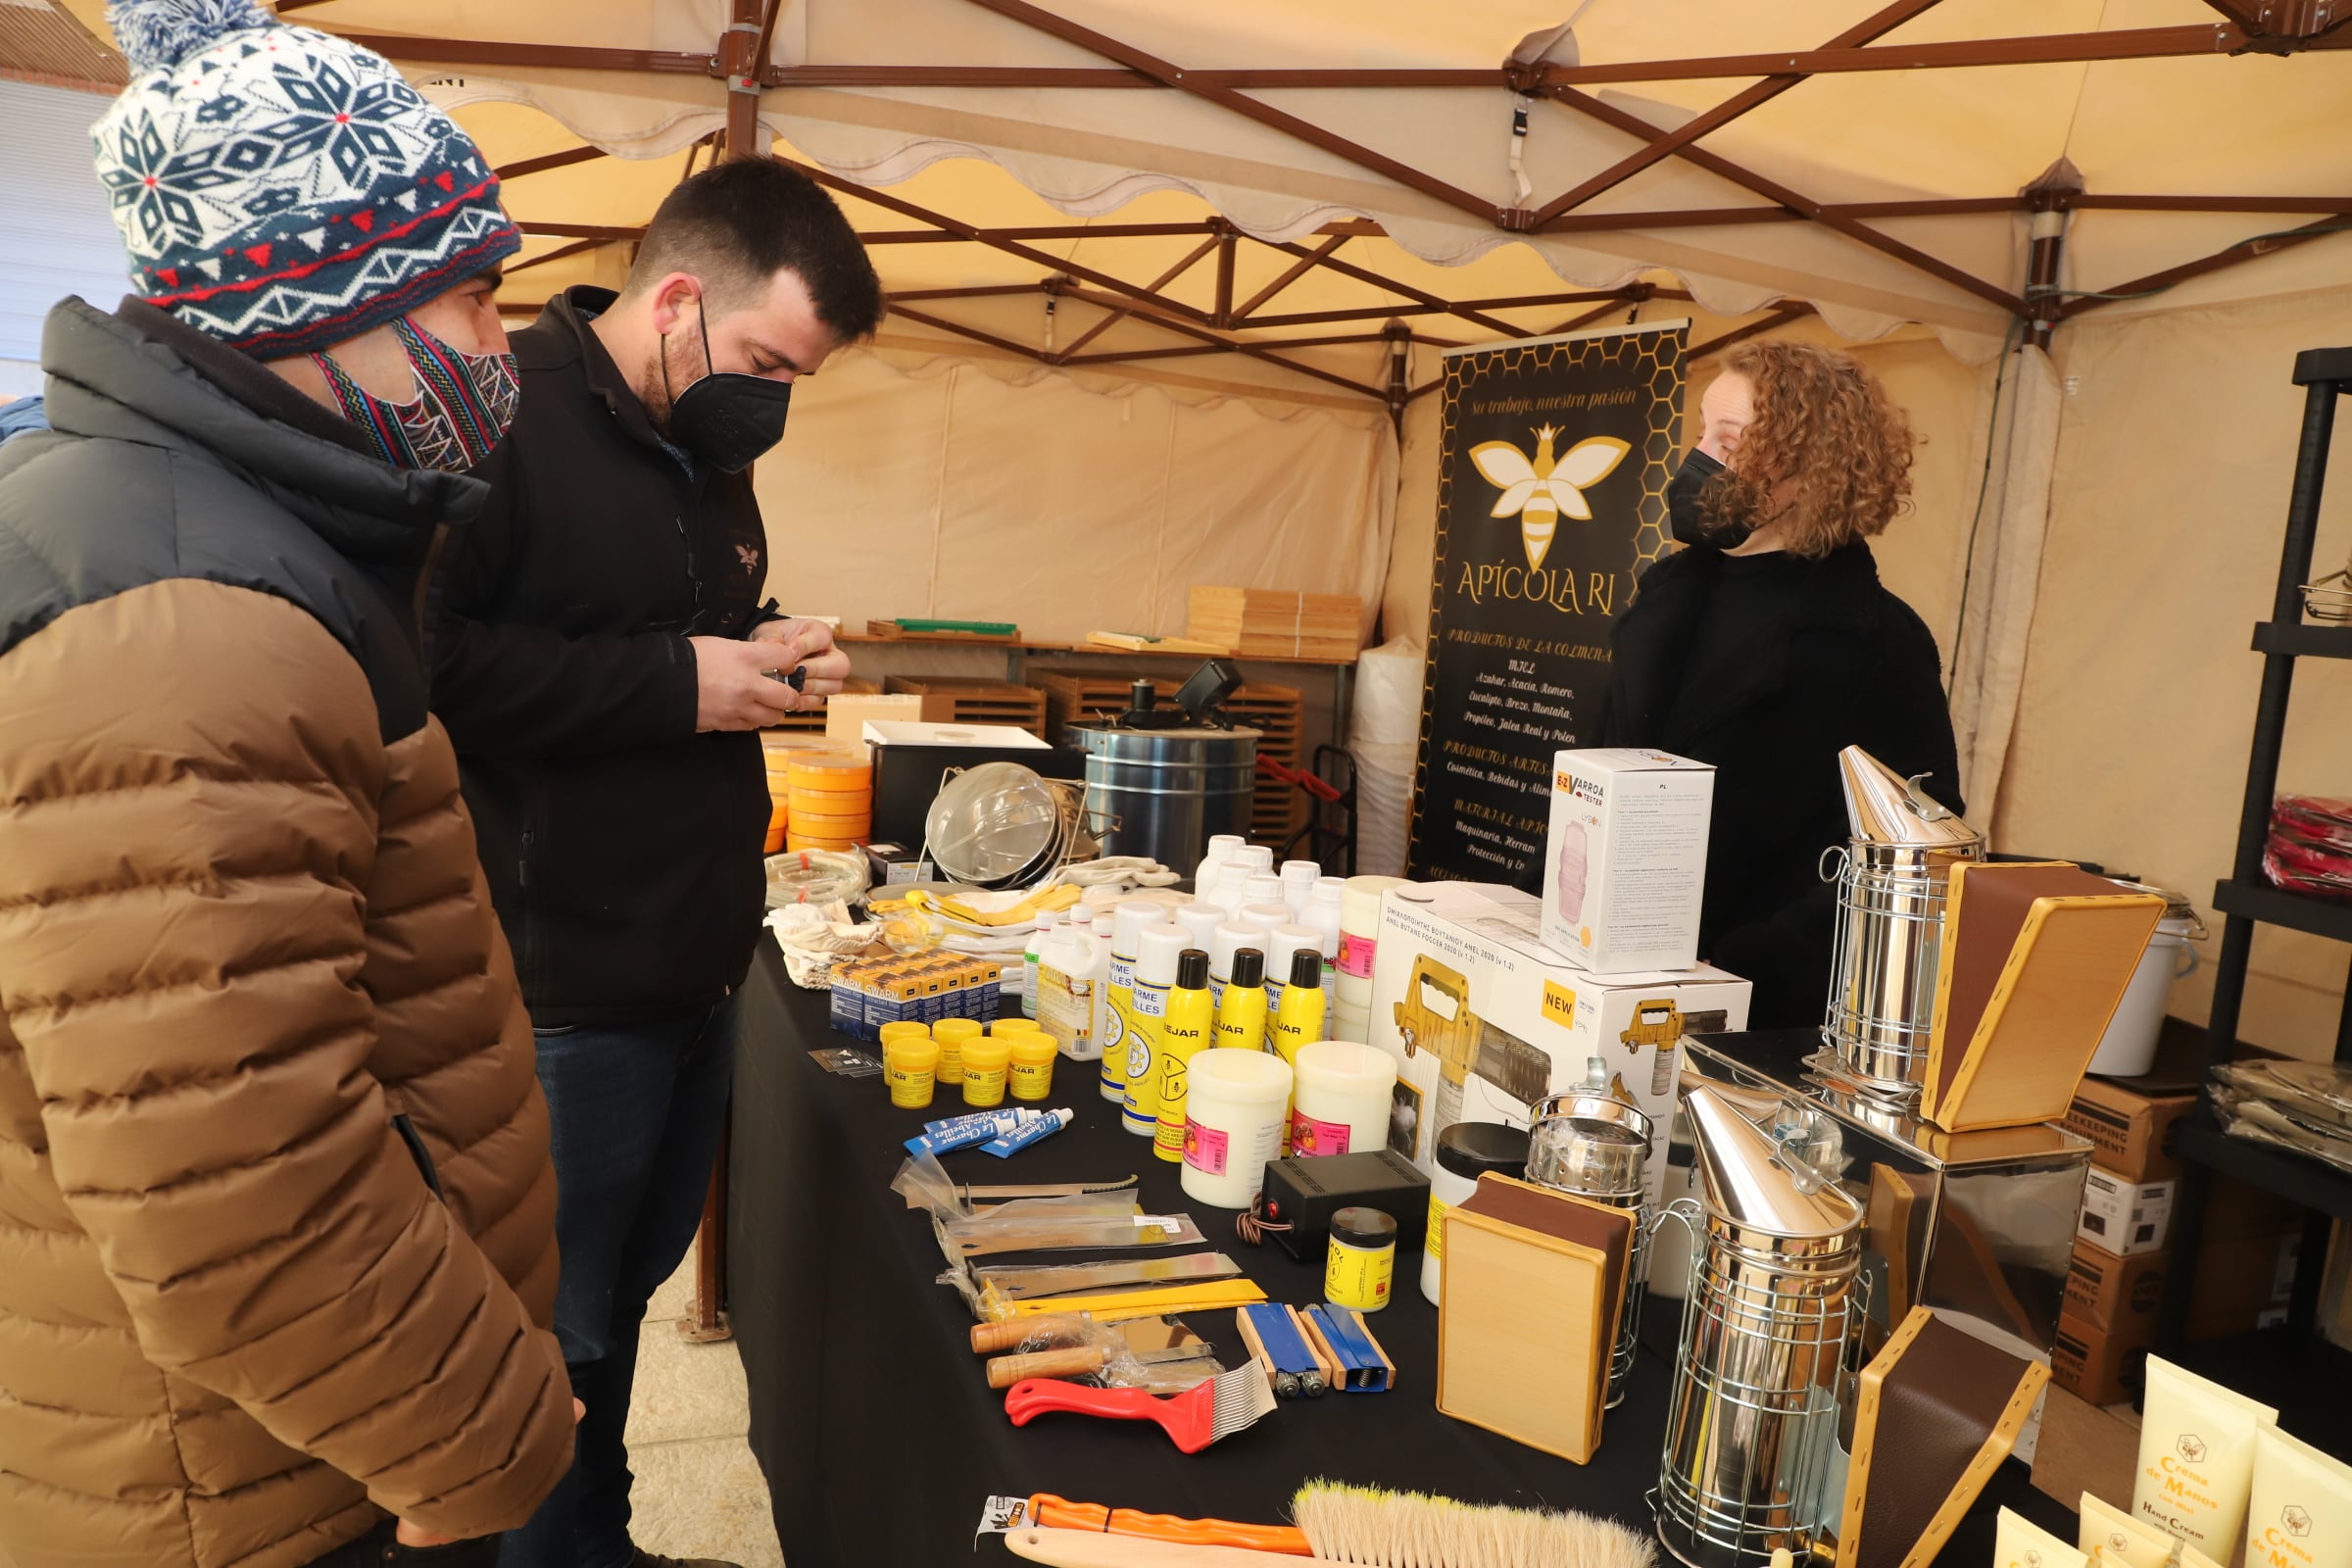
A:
[1626, 860]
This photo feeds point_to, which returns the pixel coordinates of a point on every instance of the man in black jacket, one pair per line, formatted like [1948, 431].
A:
[604, 659]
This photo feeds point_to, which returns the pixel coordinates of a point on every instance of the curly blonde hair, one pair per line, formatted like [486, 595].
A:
[1828, 454]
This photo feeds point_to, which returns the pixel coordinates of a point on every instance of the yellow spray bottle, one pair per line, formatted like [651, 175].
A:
[1242, 1013]
[1298, 1020]
[1184, 1031]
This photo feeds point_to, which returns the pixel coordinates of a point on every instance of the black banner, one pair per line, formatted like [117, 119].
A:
[1552, 495]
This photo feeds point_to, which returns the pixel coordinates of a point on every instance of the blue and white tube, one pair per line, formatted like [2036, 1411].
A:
[962, 1132]
[1029, 1132]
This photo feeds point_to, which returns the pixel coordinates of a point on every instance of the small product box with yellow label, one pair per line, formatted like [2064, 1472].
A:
[1626, 858]
[1485, 1021]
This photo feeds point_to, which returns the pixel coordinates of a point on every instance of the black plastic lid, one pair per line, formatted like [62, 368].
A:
[1306, 969]
[1363, 1227]
[1471, 1149]
[1191, 970]
[1248, 967]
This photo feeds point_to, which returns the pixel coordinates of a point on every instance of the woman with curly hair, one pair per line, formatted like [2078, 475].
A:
[1767, 644]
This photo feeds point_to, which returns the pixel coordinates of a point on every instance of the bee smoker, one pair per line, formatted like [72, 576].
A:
[1771, 1332]
[1597, 1146]
[1893, 876]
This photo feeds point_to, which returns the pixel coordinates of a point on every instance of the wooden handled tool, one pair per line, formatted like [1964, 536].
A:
[1077, 1361]
[1048, 1512]
[1085, 1548]
[990, 1339]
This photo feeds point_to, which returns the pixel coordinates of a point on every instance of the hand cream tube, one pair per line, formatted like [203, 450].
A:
[2108, 1534]
[2301, 1512]
[2197, 1458]
[2019, 1542]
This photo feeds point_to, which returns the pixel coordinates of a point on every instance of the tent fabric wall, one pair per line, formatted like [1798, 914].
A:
[942, 485]
[2003, 571]
[2168, 504]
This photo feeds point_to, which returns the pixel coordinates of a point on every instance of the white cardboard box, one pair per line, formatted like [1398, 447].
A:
[2125, 1216]
[917, 732]
[1624, 861]
[1447, 948]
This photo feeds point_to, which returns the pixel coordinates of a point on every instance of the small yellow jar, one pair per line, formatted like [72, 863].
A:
[985, 1062]
[1363, 1263]
[908, 1065]
[951, 1035]
[1033, 1054]
[907, 1029]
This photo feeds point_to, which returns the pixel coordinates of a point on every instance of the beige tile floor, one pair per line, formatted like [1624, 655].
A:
[698, 1491]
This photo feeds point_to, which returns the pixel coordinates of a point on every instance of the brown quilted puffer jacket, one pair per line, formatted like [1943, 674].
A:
[254, 1002]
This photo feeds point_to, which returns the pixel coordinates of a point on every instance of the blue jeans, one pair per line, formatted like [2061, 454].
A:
[635, 1111]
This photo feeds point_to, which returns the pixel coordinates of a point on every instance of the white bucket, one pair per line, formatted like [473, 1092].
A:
[2129, 1048]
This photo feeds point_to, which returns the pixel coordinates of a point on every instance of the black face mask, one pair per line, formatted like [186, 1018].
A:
[727, 418]
[1687, 507]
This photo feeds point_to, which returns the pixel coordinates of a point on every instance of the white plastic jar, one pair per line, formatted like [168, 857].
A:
[1233, 1110]
[1341, 1102]
[1465, 1151]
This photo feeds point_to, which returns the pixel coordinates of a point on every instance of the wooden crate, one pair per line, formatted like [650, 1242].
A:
[1083, 696]
[1275, 623]
[962, 700]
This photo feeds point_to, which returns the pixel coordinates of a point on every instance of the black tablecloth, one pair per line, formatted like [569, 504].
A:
[876, 1427]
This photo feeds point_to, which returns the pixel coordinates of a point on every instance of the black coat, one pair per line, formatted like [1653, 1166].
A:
[1856, 668]
[623, 848]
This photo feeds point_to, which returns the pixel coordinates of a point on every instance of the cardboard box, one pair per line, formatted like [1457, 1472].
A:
[1626, 858]
[2085, 1448]
[2243, 1282]
[2131, 1132]
[2122, 1215]
[1484, 1018]
[2094, 1363]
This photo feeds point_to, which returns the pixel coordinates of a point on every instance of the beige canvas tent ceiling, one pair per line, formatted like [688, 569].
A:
[1260, 186]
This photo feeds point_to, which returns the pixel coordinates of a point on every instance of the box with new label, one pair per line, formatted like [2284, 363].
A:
[2122, 1215]
[1484, 1019]
[1626, 858]
[2131, 1133]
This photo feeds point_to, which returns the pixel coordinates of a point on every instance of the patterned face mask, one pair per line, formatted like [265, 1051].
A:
[464, 405]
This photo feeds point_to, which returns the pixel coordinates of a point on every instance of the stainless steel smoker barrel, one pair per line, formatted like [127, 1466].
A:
[1597, 1147]
[1165, 792]
[1768, 1326]
[1889, 936]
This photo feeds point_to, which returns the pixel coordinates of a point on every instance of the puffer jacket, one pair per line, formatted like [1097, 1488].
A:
[254, 1003]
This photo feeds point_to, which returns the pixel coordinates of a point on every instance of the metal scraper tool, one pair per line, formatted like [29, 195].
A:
[1024, 1284]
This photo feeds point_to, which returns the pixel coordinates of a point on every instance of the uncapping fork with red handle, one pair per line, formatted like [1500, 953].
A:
[1194, 1419]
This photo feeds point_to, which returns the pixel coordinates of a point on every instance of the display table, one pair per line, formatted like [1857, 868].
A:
[878, 1430]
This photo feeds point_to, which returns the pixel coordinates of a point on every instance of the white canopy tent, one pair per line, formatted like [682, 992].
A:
[1168, 283]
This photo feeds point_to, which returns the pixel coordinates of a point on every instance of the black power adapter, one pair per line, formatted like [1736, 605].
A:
[1301, 1195]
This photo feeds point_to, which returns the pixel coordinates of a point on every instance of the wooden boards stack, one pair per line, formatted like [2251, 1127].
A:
[1275, 623]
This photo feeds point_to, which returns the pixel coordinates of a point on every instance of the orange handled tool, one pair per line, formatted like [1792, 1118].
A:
[1059, 1513]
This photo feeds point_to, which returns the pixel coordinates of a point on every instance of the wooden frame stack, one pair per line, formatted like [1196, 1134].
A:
[1275, 623]
[964, 699]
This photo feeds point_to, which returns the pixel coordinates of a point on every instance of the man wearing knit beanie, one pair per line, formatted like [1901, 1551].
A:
[277, 1216]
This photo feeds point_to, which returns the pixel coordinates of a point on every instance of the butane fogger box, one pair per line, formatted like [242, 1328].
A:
[1626, 858]
[1484, 1019]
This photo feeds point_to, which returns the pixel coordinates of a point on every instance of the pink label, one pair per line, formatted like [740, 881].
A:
[1309, 1137]
[1204, 1148]
[1355, 956]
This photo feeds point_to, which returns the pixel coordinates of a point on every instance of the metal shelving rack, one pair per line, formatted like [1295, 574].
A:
[2248, 899]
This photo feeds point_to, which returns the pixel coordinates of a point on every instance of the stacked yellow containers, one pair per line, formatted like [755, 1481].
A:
[830, 801]
[779, 788]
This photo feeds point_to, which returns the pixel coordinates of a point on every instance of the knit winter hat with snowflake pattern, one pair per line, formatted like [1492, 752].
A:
[281, 188]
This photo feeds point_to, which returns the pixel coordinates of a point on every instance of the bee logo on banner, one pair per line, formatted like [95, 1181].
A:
[1551, 497]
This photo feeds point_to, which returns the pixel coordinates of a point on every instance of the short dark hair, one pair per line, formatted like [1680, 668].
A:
[739, 222]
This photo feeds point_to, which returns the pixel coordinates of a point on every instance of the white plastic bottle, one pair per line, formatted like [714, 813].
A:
[1128, 922]
[1073, 976]
[1200, 921]
[1221, 847]
[1322, 917]
[1299, 878]
[1264, 887]
[1281, 942]
[1045, 922]
[1106, 929]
